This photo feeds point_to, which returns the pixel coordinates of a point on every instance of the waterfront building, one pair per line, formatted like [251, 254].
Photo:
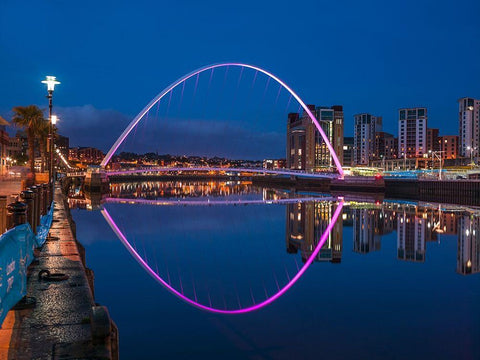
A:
[433, 140]
[306, 149]
[469, 127]
[384, 146]
[296, 142]
[449, 145]
[331, 121]
[411, 231]
[412, 132]
[18, 145]
[366, 126]
[274, 164]
[4, 142]
[348, 144]
[85, 154]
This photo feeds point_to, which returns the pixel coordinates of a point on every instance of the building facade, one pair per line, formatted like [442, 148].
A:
[348, 142]
[384, 146]
[449, 145]
[412, 132]
[469, 127]
[85, 154]
[433, 140]
[4, 143]
[306, 149]
[366, 126]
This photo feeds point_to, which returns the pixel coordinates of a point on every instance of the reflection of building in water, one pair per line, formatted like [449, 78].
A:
[468, 253]
[181, 189]
[411, 232]
[365, 222]
[306, 223]
[275, 194]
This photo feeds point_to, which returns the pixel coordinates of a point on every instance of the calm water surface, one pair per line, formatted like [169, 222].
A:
[394, 280]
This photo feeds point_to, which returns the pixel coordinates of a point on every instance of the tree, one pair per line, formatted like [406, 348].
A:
[31, 119]
[41, 133]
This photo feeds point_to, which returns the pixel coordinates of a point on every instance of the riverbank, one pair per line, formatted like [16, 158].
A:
[461, 192]
[60, 319]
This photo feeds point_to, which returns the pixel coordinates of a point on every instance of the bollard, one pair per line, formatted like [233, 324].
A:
[51, 190]
[45, 197]
[36, 198]
[16, 212]
[3, 213]
[27, 198]
[41, 210]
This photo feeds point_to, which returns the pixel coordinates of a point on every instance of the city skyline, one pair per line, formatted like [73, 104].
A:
[379, 84]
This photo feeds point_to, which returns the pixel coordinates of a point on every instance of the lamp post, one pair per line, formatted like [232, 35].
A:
[472, 150]
[54, 123]
[50, 81]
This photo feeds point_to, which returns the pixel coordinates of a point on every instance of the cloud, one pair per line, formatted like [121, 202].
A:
[88, 126]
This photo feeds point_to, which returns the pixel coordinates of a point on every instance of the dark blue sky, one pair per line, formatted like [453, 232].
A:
[114, 56]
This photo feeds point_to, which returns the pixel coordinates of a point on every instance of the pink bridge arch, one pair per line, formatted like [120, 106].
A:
[172, 86]
[197, 304]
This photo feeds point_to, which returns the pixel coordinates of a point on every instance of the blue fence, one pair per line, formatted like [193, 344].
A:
[16, 254]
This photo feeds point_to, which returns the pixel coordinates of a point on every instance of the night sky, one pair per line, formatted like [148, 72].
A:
[113, 57]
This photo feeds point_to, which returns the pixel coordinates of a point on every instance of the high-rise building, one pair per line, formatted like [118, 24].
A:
[366, 125]
[306, 149]
[331, 121]
[412, 132]
[449, 146]
[348, 151]
[469, 126]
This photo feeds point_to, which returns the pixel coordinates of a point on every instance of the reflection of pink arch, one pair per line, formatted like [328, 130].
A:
[254, 307]
[205, 68]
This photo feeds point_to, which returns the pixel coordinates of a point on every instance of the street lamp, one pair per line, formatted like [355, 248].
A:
[50, 81]
[9, 162]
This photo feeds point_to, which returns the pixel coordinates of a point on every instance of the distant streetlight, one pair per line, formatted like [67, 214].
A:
[472, 150]
[51, 81]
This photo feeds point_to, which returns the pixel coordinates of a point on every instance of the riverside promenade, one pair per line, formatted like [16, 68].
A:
[64, 322]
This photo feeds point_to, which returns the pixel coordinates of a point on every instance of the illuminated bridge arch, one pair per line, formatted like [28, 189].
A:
[210, 308]
[172, 86]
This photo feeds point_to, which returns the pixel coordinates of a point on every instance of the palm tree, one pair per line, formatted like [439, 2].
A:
[42, 132]
[31, 118]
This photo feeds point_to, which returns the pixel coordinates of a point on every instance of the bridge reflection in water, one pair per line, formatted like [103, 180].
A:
[314, 227]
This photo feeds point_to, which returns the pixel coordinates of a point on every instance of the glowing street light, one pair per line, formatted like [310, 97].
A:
[51, 81]
[472, 150]
[54, 119]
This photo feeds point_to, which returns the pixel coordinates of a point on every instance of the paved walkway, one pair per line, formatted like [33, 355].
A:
[58, 327]
[10, 187]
